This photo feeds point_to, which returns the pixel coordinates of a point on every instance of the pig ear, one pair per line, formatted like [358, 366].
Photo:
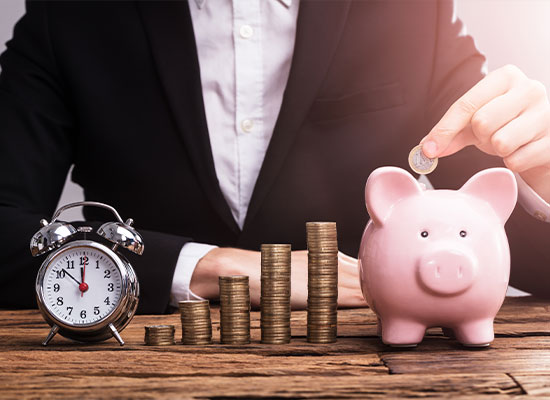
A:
[385, 187]
[498, 187]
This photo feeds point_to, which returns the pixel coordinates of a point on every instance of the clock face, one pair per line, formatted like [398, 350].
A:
[82, 285]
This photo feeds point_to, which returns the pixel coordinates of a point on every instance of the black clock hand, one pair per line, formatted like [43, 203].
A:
[78, 283]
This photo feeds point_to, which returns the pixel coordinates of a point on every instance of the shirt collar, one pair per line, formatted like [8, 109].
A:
[200, 3]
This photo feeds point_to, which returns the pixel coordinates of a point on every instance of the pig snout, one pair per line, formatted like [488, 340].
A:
[447, 272]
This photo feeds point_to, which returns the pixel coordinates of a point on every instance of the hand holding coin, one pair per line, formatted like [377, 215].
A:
[505, 114]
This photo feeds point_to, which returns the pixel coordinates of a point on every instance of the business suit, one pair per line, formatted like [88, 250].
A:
[114, 88]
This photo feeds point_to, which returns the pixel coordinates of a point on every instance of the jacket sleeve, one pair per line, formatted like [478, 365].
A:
[457, 66]
[37, 137]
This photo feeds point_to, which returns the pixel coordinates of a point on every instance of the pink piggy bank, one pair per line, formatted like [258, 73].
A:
[436, 258]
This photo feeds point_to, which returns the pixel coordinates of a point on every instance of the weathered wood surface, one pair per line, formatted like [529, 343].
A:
[517, 365]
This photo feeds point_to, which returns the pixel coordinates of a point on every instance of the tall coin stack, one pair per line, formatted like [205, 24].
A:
[234, 309]
[196, 325]
[275, 293]
[322, 302]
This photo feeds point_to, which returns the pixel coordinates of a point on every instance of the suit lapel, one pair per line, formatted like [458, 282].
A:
[169, 28]
[320, 25]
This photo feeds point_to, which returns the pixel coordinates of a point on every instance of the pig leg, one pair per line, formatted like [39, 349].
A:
[476, 333]
[401, 332]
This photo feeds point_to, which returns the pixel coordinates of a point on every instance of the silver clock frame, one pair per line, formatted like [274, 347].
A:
[112, 323]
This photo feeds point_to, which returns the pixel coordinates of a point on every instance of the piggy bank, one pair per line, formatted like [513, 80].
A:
[436, 258]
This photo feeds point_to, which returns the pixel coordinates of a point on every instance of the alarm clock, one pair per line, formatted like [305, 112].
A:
[86, 290]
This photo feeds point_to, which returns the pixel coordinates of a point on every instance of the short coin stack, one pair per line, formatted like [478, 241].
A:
[322, 302]
[196, 325]
[159, 335]
[234, 309]
[275, 293]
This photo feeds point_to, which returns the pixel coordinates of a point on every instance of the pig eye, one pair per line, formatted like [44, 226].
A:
[463, 233]
[424, 234]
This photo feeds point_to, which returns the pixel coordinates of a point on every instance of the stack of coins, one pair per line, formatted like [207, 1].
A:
[322, 302]
[196, 325]
[275, 293]
[234, 309]
[159, 335]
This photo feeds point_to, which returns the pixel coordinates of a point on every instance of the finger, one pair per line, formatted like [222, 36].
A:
[346, 258]
[351, 299]
[501, 110]
[460, 113]
[533, 154]
[463, 139]
[349, 282]
[526, 128]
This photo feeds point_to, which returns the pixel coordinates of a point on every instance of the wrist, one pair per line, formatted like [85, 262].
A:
[539, 180]
[204, 281]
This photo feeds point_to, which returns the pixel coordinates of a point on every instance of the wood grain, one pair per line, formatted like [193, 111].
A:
[357, 366]
[535, 384]
[376, 386]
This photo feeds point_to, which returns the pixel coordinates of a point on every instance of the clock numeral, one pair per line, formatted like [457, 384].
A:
[60, 274]
[107, 274]
[96, 310]
[96, 264]
[84, 260]
[60, 301]
[70, 310]
[83, 314]
[56, 287]
[107, 301]
[110, 287]
[70, 264]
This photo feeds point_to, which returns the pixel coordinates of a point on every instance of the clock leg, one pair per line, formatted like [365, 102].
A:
[52, 333]
[116, 334]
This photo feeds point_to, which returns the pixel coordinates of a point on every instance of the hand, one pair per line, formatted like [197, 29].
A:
[505, 114]
[230, 261]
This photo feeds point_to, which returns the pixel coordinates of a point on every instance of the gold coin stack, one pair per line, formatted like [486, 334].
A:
[322, 301]
[275, 293]
[234, 309]
[196, 325]
[159, 335]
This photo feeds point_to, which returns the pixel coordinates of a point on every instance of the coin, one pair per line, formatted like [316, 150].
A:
[275, 293]
[234, 309]
[322, 303]
[421, 164]
[159, 335]
[196, 324]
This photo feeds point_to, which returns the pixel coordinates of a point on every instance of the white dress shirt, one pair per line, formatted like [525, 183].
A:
[245, 49]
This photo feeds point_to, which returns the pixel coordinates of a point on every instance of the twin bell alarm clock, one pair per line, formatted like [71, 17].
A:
[86, 290]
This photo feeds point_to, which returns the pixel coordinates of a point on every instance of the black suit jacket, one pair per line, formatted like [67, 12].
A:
[114, 88]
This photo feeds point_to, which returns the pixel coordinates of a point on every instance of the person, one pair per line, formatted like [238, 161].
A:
[221, 125]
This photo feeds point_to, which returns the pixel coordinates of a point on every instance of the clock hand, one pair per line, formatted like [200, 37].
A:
[72, 277]
[83, 286]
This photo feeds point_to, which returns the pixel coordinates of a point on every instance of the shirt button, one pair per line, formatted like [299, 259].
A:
[247, 125]
[246, 31]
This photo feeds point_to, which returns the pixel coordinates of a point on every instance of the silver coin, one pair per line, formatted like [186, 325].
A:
[421, 164]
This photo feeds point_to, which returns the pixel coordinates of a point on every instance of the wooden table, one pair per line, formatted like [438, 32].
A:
[358, 365]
